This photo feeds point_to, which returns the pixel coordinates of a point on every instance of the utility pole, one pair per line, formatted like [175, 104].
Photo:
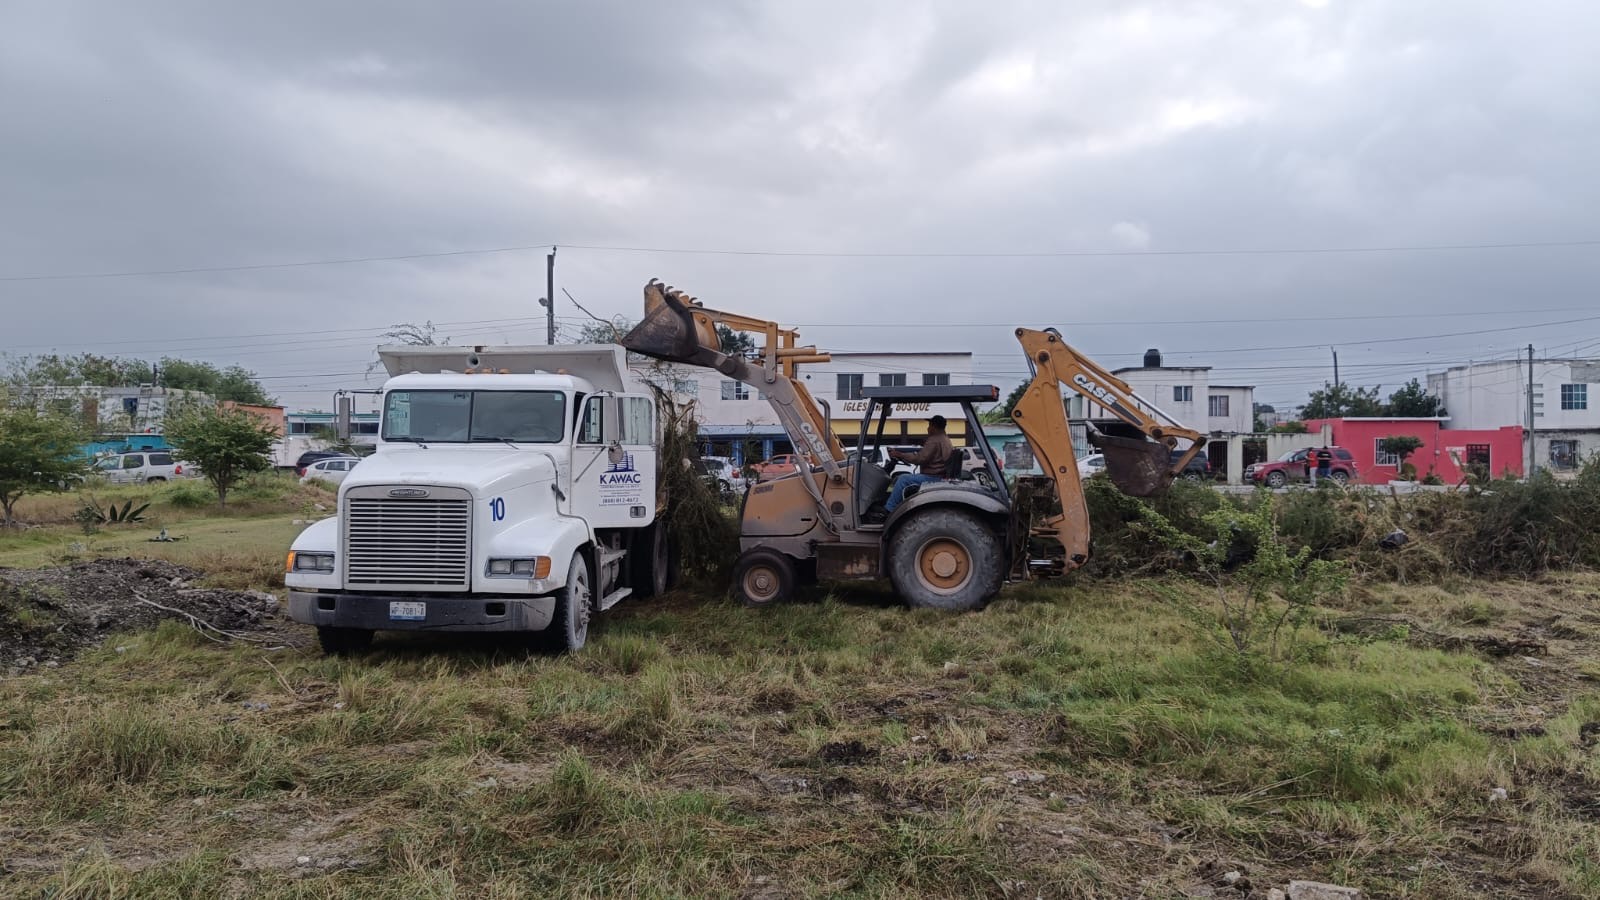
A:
[549, 301]
[1338, 395]
[1533, 462]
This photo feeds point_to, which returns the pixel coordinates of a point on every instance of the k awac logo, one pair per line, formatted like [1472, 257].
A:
[620, 472]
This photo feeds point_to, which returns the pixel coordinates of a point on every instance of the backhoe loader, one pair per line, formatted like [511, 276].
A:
[953, 542]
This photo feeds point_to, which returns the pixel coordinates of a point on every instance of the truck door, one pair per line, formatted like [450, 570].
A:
[614, 461]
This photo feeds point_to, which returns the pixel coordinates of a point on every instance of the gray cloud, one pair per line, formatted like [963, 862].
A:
[167, 135]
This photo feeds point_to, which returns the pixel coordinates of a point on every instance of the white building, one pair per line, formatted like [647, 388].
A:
[315, 431]
[123, 410]
[1566, 403]
[736, 420]
[1186, 394]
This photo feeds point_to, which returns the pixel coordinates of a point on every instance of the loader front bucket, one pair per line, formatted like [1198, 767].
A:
[668, 330]
[1137, 466]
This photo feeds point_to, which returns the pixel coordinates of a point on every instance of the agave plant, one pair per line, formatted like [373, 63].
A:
[91, 513]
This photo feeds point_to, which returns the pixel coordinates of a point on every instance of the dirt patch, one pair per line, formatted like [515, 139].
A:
[319, 844]
[49, 615]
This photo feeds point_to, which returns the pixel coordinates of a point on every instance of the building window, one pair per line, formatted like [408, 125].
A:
[895, 379]
[850, 387]
[1563, 454]
[363, 427]
[935, 379]
[1381, 458]
[1183, 393]
[735, 390]
[1478, 455]
[1219, 406]
[1574, 396]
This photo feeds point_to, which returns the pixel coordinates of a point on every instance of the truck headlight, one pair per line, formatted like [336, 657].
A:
[520, 567]
[310, 562]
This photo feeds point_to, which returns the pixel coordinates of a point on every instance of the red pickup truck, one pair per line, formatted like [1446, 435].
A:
[782, 464]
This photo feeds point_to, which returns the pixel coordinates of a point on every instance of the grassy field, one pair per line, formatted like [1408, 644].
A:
[1082, 739]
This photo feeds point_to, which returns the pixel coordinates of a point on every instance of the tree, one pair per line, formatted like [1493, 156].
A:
[38, 452]
[735, 343]
[1412, 400]
[1002, 413]
[1402, 446]
[1288, 428]
[226, 444]
[1336, 401]
[231, 383]
[423, 335]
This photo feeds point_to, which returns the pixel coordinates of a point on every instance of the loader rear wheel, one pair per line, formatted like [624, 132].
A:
[945, 559]
[763, 577]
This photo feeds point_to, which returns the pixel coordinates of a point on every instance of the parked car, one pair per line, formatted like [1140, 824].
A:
[140, 468]
[722, 475]
[1091, 464]
[972, 459]
[879, 456]
[1198, 469]
[782, 464]
[311, 456]
[1291, 467]
[332, 470]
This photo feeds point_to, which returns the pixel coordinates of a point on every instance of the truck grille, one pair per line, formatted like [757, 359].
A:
[410, 543]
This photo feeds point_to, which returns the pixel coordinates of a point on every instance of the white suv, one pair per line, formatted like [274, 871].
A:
[332, 470]
[139, 468]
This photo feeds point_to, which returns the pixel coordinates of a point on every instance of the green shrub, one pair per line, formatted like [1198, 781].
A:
[189, 494]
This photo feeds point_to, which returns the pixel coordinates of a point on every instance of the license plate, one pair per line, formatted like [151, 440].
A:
[400, 611]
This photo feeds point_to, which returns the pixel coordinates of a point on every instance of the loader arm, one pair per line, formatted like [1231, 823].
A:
[677, 328]
[1139, 466]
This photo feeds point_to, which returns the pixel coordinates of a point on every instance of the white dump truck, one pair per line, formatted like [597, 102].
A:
[514, 489]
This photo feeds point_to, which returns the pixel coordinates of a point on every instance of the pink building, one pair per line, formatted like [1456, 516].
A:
[1444, 451]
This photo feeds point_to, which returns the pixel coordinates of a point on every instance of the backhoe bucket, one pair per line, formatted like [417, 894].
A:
[668, 330]
[1138, 467]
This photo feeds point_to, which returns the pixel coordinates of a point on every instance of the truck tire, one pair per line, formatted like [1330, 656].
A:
[568, 630]
[650, 562]
[763, 578]
[343, 641]
[944, 558]
[1340, 477]
[1276, 479]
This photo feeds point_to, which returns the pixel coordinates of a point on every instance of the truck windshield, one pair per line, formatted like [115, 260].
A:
[535, 417]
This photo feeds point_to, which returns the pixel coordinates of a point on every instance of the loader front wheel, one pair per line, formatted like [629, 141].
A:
[763, 577]
[945, 559]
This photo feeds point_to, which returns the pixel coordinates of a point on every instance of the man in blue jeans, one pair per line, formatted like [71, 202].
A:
[931, 460]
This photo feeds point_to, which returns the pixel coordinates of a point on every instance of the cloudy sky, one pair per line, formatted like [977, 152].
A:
[895, 176]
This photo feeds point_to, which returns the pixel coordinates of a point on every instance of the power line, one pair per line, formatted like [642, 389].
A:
[809, 254]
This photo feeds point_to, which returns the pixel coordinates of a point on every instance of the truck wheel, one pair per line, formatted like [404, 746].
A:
[650, 562]
[1276, 479]
[343, 641]
[1340, 478]
[763, 577]
[945, 559]
[568, 630]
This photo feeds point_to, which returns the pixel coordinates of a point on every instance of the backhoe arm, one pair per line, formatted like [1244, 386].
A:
[1139, 466]
[677, 328]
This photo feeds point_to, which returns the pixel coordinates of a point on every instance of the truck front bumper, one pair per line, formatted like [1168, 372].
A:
[455, 612]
